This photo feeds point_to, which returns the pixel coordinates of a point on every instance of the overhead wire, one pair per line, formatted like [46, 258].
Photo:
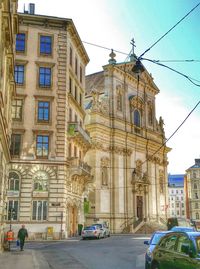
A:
[168, 31]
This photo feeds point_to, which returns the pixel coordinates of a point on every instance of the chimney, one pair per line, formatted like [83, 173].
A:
[31, 8]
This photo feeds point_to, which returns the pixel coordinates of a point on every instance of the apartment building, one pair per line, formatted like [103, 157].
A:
[193, 192]
[177, 196]
[48, 177]
[8, 29]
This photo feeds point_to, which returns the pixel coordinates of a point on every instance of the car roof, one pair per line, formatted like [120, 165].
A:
[162, 232]
[190, 234]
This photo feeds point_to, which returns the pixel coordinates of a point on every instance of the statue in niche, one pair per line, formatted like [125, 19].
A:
[161, 185]
[145, 176]
[104, 176]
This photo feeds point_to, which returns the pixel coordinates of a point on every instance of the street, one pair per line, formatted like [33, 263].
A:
[116, 252]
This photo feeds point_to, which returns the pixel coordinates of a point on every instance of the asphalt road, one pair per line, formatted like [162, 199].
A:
[116, 252]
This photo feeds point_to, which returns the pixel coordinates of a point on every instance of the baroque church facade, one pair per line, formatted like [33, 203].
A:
[128, 153]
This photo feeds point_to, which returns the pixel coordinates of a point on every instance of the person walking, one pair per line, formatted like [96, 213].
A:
[22, 234]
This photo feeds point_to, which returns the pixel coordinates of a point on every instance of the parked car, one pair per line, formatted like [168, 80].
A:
[105, 229]
[155, 238]
[92, 232]
[177, 250]
[183, 229]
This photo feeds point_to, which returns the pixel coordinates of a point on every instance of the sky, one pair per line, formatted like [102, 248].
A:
[113, 23]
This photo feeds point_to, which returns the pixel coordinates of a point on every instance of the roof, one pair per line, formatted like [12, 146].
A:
[94, 82]
[176, 180]
[196, 165]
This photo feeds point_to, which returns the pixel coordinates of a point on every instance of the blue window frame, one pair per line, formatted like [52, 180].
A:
[20, 42]
[19, 74]
[45, 45]
[45, 77]
[42, 146]
[137, 119]
[43, 111]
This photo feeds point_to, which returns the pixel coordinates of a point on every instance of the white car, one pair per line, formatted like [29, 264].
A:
[104, 228]
[92, 232]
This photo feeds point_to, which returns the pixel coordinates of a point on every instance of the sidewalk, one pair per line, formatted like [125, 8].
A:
[27, 259]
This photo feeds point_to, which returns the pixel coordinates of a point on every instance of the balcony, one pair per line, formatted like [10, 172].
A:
[77, 132]
[78, 166]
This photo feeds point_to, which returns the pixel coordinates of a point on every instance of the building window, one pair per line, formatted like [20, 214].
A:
[172, 191]
[181, 191]
[45, 45]
[177, 198]
[173, 205]
[70, 115]
[76, 66]
[195, 186]
[39, 210]
[196, 195]
[137, 120]
[70, 56]
[17, 105]
[12, 210]
[70, 150]
[19, 74]
[80, 99]
[13, 182]
[45, 77]
[81, 74]
[177, 212]
[75, 93]
[182, 204]
[42, 146]
[75, 151]
[76, 118]
[20, 42]
[197, 215]
[43, 111]
[196, 205]
[183, 212]
[15, 144]
[181, 198]
[177, 191]
[177, 204]
[70, 85]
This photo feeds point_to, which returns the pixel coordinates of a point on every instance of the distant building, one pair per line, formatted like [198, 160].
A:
[176, 196]
[193, 185]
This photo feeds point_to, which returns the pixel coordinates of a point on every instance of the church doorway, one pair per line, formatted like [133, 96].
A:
[140, 207]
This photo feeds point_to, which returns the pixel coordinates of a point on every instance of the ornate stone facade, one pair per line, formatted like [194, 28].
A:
[8, 29]
[128, 162]
[48, 175]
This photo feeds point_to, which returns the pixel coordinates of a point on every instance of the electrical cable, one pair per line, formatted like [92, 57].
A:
[174, 70]
[168, 31]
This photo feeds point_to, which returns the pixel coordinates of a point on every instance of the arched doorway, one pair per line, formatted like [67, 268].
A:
[72, 215]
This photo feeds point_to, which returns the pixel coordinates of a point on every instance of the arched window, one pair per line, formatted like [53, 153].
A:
[13, 182]
[137, 119]
[40, 181]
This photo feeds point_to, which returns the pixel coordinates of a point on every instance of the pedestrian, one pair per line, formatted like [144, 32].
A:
[22, 234]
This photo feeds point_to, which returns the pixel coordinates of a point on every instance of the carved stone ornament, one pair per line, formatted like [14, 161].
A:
[105, 161]
[137, 102]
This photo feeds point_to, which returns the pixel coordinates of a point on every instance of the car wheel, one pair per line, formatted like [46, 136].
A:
[109, 235]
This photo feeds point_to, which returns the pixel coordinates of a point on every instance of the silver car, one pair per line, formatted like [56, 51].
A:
[104, 228]
[92, 232]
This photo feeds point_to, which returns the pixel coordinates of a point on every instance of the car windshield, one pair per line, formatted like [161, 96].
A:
[156, 238]
[90, 228]
[99, 225]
